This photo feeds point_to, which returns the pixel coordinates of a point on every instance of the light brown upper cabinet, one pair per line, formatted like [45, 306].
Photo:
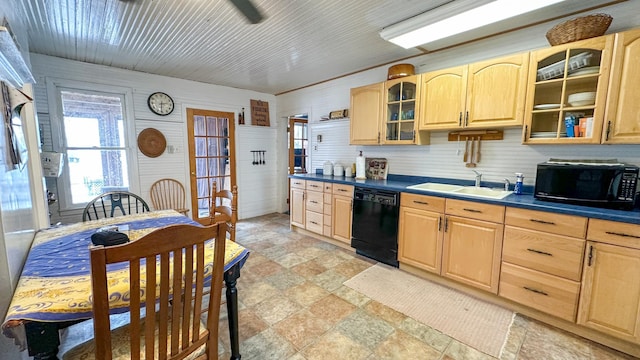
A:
[485, 94]
[567, 92]
[622, 118]
[401, 110]
[366, 114]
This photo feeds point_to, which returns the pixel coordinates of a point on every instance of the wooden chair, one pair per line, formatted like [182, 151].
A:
[105, 205]
[224, 207]
[169, 194]
[176, 330]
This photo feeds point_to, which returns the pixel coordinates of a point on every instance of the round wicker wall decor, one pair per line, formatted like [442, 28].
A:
[151, 142]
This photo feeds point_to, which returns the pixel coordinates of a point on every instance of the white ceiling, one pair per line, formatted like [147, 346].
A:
[301, 42]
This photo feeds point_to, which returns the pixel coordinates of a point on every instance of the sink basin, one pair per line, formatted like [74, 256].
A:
[435, 187]
[482, 192]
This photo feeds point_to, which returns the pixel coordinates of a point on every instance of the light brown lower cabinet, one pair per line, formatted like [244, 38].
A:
[341, 212]
[296, 206]
[610, 300]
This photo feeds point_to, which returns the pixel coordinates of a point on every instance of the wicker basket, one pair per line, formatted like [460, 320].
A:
[579, 29]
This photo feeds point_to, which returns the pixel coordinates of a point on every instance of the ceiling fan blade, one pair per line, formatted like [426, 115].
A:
[248, 10]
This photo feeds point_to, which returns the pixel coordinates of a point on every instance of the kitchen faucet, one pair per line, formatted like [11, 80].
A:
[507, 183]
[478, 178]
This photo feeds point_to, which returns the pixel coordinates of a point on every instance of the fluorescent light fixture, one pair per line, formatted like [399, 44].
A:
[455, 18]
[13, 68]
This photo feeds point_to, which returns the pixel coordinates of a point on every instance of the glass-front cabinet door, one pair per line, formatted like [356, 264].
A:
[567, 92]
[401, 110]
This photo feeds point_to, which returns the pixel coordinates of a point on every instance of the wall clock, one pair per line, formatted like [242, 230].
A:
[160, 103]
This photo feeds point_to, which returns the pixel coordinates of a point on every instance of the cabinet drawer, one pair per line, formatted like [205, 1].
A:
[343, 190]
[327, 187]
[422, 202]
[298, 184]
[315, 201]
[314, 222]
[475, 210]
[315, 185]
[553, 254]
[613, 232]
[547, 293]
[560, 224]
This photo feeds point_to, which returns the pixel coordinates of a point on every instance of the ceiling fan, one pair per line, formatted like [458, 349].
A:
[249, 10]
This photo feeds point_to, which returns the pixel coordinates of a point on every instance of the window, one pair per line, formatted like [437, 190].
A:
[93, 134]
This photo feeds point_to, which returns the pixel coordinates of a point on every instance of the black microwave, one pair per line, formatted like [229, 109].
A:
[607, 185]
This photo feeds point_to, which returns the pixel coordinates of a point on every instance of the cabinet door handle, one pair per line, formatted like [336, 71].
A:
[540, 252]
[535, 291]
[466, 119]
[421, 202]
[526, 129]
[608, 131]
[446, 223]
[460, 119]
[590, 255]
[439, 223]
[622, 234]
[542, 222]
[472, 210]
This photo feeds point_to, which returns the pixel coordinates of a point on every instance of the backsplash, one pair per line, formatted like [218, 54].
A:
[500, 158]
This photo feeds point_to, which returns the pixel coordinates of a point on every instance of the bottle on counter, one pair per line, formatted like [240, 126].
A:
[517, 189]
[360, 167]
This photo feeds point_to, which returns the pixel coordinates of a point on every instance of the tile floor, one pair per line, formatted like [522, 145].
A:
[293, 306]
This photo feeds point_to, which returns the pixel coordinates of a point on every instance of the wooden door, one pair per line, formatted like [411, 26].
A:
[496, 92]
[471, 252]
[420, 239]
[342, 208]
[366, 114]
[610, 299]
[211, 157]
[298, 145]
[443, 94]
[622, 121]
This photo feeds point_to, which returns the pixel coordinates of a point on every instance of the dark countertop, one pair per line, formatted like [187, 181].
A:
[525, 201]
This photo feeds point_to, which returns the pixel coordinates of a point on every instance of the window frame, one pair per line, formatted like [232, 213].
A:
[54, 88]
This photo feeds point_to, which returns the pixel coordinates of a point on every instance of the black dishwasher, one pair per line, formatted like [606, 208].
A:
[375, 224]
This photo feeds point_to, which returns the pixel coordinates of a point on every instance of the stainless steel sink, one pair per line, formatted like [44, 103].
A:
[473, 191]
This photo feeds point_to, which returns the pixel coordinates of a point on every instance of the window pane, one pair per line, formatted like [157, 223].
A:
[94, 171]
[199, 126]
[92, 120]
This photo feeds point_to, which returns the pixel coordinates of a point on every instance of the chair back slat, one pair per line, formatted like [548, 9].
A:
[174, 278]
[221, 212]
[105, 205]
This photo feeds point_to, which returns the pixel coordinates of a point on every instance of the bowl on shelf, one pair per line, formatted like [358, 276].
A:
[582, 98]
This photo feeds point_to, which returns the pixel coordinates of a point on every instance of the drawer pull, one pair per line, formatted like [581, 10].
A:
[472, 210]
[313, 222]
[343, 190]
[542, 222]
[315, 186]
[622, 234]
[313, 201]
[535, 291]
[421, 202]
[540, 252]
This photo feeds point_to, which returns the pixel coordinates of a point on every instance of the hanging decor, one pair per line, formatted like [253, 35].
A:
[259, 113]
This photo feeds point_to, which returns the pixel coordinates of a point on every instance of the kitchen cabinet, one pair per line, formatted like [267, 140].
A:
[473, 243]
[420, 231]
[542, 260]
[366, 114]
[400, 110]
[556, 76]
[296, 202]
[485, 94]
[327, 220]
[314, 207]
[622, 124]
[342, 209]
[610, 299]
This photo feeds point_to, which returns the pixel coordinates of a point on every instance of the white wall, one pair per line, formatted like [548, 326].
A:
[256, 184]
[500, 159]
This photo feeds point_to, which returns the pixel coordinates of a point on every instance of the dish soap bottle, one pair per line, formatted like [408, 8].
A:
[360, 167]
[518, 187]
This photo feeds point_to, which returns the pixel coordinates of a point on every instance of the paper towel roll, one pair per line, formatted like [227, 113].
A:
[360, 167]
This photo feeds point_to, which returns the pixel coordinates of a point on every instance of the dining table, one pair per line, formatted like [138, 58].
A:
[54, 288]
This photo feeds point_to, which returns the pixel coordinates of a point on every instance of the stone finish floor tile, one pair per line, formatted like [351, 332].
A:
[294, 306]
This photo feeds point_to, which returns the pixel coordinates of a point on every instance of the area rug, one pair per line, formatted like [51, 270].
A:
[472, 321]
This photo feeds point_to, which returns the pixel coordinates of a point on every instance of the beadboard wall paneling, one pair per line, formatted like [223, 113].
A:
[186, 94]
[256, 183]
